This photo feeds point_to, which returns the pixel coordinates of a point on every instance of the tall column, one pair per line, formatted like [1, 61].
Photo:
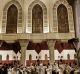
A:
[23, 44]
[51, 44]
[77, 20]
[77, 25]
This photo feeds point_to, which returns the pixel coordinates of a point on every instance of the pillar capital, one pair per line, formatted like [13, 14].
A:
[23, 42]
[51, 42]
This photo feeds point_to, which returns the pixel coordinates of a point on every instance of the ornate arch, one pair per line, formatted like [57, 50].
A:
[7, 57]
[0, 57]
[19, 20]
[70, 15]
[68, 56]
[46, 57]
[30, 57]
[44, 13]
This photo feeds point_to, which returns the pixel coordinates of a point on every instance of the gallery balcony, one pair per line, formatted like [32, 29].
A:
[35, 36]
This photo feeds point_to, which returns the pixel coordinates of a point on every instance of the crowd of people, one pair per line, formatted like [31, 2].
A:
[39, 69]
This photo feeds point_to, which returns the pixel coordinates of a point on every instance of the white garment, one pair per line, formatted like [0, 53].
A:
[17, 71]
[9, 71]
[49, 71]
[42, 71]
[60, 72]
[13, 71]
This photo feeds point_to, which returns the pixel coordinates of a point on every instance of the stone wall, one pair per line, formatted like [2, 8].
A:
[49, 18]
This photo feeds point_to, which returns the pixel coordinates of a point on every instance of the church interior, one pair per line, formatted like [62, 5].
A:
[39, 31]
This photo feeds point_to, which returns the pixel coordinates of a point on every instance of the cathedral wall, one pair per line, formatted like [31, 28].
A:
[26, 28]
[25, 4]
[49, 26]
[49, 5]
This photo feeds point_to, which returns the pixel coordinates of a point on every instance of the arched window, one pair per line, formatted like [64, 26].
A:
[62, 15]
[14, 57]
[37, 19]
[75, 56]
[7, 57]
[12, 15]
[46, 57]
[68, 56]
[30, 57]
[0, 57]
